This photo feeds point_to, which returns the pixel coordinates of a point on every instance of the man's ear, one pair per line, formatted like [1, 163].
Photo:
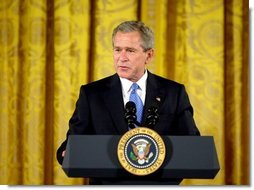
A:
[150, 55]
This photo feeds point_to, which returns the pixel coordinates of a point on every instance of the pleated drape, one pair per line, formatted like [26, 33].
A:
[49, 48]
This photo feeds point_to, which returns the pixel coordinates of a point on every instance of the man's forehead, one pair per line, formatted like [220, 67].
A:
[127, 40]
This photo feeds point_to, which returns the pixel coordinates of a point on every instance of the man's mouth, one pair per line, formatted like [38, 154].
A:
[123, 67]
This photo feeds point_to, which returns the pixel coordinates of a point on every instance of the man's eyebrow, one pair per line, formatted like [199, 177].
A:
[124, 47]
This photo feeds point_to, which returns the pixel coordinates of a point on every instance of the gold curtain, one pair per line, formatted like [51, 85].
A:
[49, 48]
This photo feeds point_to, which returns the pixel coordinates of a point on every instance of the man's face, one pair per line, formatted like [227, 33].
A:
[130, 59]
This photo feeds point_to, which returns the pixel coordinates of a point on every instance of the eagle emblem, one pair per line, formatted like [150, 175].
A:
[141, 151]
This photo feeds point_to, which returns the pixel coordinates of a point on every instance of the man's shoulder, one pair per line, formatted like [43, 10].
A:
[101, 83]
[165, 81]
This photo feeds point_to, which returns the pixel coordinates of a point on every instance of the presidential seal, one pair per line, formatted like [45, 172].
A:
[141, 151]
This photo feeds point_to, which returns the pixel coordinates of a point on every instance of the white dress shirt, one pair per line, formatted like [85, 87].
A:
[141, 91]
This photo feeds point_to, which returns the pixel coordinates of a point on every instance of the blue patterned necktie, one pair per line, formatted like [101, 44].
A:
[134, 97]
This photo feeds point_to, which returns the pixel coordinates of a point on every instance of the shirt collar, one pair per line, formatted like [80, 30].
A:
[126, 84]
[142, 81]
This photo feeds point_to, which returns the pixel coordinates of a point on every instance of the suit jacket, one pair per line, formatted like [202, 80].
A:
[100, 109]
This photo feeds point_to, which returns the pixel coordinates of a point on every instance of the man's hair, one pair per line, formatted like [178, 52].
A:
[146, 34]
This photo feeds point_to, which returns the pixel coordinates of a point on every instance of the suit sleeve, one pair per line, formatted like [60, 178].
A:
[78, 123]
[185, 121]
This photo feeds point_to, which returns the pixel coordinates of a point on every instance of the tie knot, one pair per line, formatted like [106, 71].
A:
[134, 86]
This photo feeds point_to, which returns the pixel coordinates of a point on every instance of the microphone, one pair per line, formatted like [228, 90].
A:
[130, 114]
[152, 114]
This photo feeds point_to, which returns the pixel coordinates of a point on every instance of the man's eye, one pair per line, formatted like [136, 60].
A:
[131, 50]
[117, 50]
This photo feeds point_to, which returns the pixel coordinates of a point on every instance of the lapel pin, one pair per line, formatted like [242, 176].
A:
[158, 99]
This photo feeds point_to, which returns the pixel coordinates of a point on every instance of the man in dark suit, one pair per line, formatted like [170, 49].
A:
[101, 104]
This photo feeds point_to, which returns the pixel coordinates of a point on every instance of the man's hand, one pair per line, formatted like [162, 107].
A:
[63, 153]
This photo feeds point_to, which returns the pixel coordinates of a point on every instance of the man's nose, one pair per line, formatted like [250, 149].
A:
[123, 55]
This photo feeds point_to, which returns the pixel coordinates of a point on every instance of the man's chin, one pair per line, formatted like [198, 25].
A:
[123, 75]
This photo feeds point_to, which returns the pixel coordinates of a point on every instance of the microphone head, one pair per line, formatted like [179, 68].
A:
[130, 114]
[152, 113]
[130, 107]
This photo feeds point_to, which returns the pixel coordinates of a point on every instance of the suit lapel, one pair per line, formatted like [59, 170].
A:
[153, 91]
[114, 102]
